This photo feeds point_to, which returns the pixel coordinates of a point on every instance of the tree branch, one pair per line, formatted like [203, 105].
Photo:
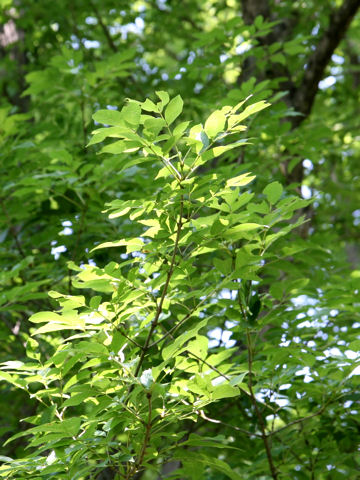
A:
[104, 28]
[315, 66]
[304, 95]
[253, 8]
[279, 33]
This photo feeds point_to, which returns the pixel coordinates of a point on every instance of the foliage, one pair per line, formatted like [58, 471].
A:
[207, 325]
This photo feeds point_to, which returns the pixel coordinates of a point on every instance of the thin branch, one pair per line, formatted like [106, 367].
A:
[295, 455]
[214, 369]
[147, 431]
[298, 420]
[193, 24]
[201, 414]
[234, 427]
[77, 242]
[79, 232]
[189, 315]
[308, 417]
[128, 338]
[355, 63]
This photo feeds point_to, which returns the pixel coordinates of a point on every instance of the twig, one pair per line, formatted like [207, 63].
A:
[298, 420]
[128, 338]
[234, 427]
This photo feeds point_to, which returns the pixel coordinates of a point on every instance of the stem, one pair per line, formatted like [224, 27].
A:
[264, 436]
[134, 469]
[77, 241]
[174, 172]
[83, 119]
[295, 455]
[165, 289]
[178, 153]
[159, 307]
[79, 231]
[178, 325]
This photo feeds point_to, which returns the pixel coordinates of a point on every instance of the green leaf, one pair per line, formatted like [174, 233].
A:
[240, 181]
[131, 114]
[238, 379]
[215, 123]
[92, 348]
[123, 146]
[76, 399]
[149, 106]
[251, 109]
[219, 441]
[224, 391]
[57, 327]
[42, 317]
[209, 461]
[66, 428]
[112, 132]
[199, 346]
[164, 97]
[176, 345]
[174, 109]
[154, 125]
[33, 349]
[217, 151]
[132, 244]
[109, 117]
[180, 128]
[273, 192]
[235, 233]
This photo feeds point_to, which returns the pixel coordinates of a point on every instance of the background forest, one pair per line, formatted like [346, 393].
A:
[179, 239]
